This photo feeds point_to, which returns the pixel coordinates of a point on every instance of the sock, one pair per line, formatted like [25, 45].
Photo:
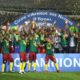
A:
[11, 66]
[21, 66]
[3, 67]
[56, 65]
[34, 66]
[46, 67]
[29, 66]
[24, 64]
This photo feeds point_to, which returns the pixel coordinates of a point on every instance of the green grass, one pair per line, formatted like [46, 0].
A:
[41, 76]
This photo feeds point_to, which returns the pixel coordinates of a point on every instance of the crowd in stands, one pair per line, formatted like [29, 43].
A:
[65, 40]
[5, 17]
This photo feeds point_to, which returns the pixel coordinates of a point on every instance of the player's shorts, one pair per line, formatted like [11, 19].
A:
[0, 50]
[11, 49]
[41, 49]
[7, 57]
[23, 56]
[32, 56]
[51, 57]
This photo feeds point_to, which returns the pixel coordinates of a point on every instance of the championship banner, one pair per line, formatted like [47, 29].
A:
[67, 63]
[43, 18]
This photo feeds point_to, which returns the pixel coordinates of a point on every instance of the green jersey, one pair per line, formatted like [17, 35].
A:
[42, 36]
[22, 45]
[5, 47]
[49, 48]
[37, 38]
[16, 37]
[64, 42]
[11, 40]
[73, 29]
[33, 45]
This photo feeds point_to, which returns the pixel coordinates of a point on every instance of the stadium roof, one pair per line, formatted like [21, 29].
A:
[61, 6]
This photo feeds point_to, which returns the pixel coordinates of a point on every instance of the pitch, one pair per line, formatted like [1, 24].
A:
[41, 76]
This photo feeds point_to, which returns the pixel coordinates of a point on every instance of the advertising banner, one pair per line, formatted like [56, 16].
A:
[43, 18]
[67, 63]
